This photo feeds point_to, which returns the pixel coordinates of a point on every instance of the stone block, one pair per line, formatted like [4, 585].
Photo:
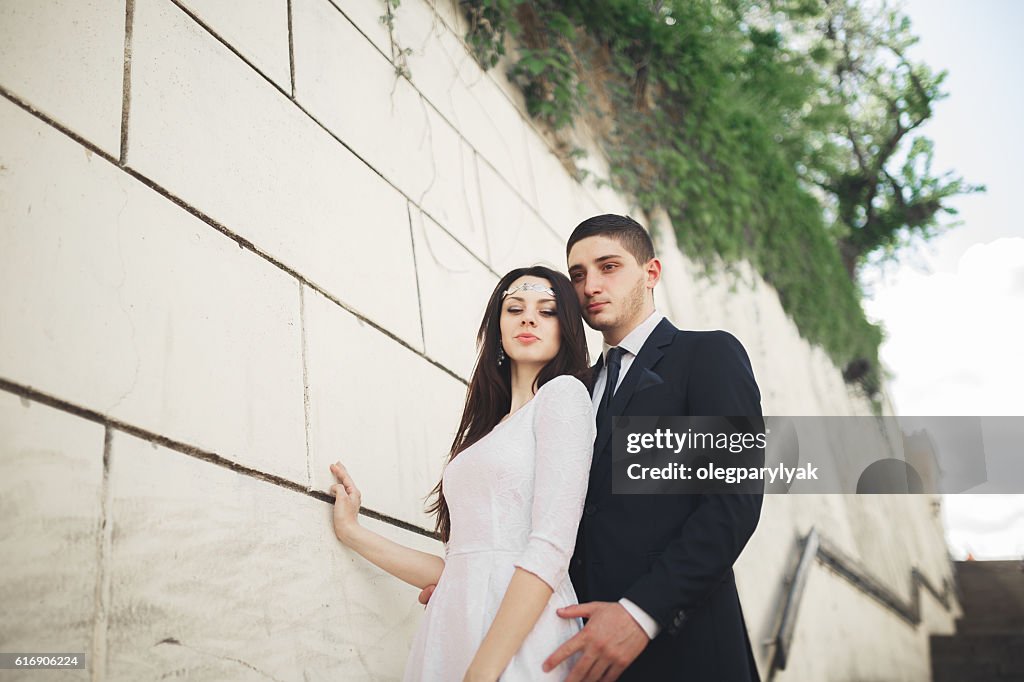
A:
[51, 476]
[384, 411]
[66, 59]
[366, 15]
[561, 201]
[450, 79]
[220, 576]
[516, 236]
[213, 132]
[258, 29]
[433, 54]
[356, 93]
[453, 196]
[454, 288]
[117, 300]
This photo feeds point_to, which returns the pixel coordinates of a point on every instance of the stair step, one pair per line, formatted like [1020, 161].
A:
[972, 671]
[995, 624]
[977, 658]
[987, 645]
[991, 587]
[989, 642]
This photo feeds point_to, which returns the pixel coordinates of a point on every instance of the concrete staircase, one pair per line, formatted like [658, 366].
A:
[989, 642]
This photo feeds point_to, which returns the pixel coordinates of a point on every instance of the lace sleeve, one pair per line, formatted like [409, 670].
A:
[564, 429]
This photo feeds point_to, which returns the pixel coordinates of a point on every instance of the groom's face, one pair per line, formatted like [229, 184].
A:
[610, 284]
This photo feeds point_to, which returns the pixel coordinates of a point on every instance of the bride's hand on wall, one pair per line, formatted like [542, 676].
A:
[346, 502]
[407, 564]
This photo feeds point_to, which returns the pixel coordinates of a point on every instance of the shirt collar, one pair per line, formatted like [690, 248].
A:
[636, 339]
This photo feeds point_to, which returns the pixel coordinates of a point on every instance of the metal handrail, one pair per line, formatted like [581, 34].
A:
[815, 547]
[783, 639]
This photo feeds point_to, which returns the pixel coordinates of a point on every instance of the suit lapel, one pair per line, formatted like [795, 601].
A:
[646, 360]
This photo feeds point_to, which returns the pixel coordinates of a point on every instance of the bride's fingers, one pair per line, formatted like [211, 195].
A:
[350, 485]
[341, 472]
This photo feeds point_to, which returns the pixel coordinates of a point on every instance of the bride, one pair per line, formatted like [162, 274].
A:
[509, 501]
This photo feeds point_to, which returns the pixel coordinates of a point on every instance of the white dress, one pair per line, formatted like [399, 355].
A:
[515, 498]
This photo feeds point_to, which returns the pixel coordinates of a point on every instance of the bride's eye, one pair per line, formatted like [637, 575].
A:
[549, 313]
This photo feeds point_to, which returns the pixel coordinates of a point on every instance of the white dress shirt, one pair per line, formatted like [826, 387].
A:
[631, 344]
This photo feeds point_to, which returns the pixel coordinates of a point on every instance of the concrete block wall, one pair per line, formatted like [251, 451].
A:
[241, 240]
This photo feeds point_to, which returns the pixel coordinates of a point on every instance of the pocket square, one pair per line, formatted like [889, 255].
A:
[647, 380]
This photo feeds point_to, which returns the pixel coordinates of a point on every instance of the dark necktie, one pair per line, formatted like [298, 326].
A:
[613, 362]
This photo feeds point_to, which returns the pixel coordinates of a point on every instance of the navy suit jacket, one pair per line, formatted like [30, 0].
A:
[672, 555]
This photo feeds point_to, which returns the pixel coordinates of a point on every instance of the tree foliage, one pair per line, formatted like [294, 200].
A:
[781, 131]
[875, 168]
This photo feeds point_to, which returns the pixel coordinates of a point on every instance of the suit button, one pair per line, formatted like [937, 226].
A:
[577, 562]
[590, 509]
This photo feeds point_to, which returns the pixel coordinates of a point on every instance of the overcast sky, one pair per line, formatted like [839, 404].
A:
[953, 310]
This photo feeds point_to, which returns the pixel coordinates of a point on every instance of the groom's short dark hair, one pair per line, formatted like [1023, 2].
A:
[621, 228]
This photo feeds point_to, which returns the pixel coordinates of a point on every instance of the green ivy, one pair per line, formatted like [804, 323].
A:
[766, 129]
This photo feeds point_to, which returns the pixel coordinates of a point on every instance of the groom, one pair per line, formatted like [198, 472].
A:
[654, 572]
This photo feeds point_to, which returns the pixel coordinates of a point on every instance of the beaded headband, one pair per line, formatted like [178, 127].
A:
[529, 286]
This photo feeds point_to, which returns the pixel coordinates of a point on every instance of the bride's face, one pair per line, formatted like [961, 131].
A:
[529, 323]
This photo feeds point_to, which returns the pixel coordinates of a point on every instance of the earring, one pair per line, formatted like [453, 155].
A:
[501, 355]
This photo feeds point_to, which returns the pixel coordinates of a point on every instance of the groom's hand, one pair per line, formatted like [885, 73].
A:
[425, 594]
[609, 642]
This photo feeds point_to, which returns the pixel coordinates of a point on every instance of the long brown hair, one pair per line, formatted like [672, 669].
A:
[489, 396]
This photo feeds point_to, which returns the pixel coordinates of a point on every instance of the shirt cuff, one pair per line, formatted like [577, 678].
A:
[646, 623]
